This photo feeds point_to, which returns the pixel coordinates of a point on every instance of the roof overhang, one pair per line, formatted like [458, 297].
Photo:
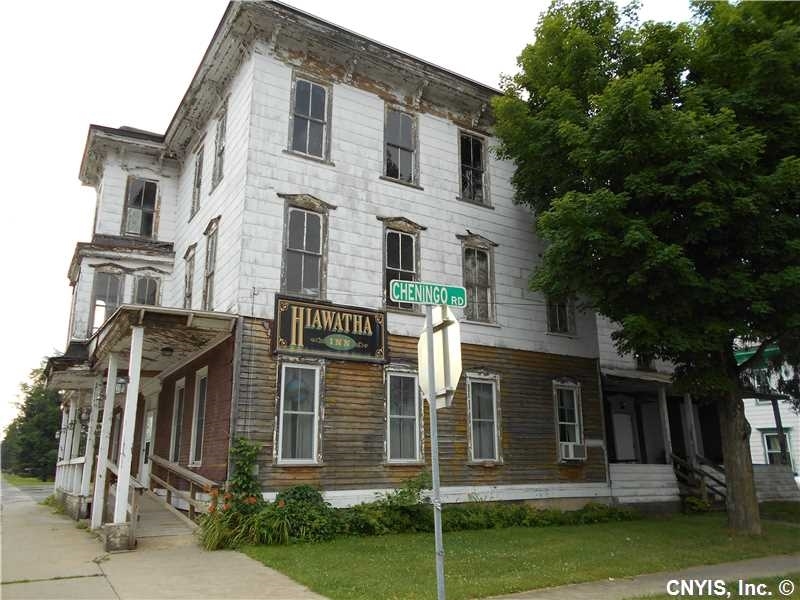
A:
[119, 248]
[101, 139]
[617, 380]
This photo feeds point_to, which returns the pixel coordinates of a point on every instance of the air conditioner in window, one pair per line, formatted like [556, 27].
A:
[572, 451]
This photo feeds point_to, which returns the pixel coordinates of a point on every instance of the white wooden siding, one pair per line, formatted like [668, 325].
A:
[761, 418]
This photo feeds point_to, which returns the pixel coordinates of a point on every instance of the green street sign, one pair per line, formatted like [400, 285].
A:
[419, 292]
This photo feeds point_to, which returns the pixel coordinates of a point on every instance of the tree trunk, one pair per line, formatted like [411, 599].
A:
[742, 502]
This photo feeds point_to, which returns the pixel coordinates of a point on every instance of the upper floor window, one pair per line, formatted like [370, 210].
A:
[482, 406]
[211, 264]
[303, 259]
[401, 146]
[219, 146]
[478, 281]
[473, 176]
[560, 316]
[197, 182]
[145, 291]
[569, 420]
[309, 130]
[140, 207]
[106, 297]
[188, 276]
[403, 417]
[401, 262]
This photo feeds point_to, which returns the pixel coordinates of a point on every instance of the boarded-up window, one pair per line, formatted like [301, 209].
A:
[177, 421]
[401, 262]
[106, 297]
[146, 291]
[199, 417]
[483, 419]
[403, 418]
[303, 260]
[299, 410]
[478, 281]
[473, 186]
[309, 126]
[400, 138]
[140, 207]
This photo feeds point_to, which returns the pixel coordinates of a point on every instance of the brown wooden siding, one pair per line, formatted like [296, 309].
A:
[353, 418]
[216, 431]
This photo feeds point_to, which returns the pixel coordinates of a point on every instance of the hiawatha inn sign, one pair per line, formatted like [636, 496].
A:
[305, 328]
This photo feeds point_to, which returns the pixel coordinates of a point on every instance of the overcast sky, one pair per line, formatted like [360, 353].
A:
[69, 64]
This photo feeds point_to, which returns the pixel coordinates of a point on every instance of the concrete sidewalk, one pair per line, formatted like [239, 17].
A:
[656, 583]
[44, 555]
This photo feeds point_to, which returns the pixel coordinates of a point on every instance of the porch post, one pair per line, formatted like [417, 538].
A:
[691, 434]
[88, 457]
[77, 472]
[66, 481]
[776, 412]
[62, 444]
[98, 504]
[662, 409]
[128, 426]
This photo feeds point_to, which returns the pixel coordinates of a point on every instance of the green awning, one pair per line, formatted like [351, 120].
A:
[770, 352]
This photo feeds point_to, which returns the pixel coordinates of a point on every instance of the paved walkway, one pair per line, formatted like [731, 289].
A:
[44, 555]
[656, 583]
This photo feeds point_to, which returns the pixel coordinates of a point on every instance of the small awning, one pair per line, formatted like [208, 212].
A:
[769, 353]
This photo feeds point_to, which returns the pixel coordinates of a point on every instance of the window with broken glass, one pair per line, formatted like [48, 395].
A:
[473, 180]
[140, 207]
[211, 265]
[197, 182]
[145, 291]
[560, 316]
[400, 262]
[478, 281]
[309, 118]
[400, 136]
[303, 257]
[219, 147]
[403, 418]
[106, 297]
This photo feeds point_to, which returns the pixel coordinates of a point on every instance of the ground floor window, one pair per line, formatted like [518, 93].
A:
[482, 407]
[402, 432]
[299, 413]
[569, 420]
[177, 421]
[199, 417]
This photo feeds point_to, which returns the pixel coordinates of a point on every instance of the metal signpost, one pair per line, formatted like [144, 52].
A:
[440, 347]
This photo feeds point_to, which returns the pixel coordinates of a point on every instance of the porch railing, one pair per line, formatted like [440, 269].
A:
[706, 481]
[69, 473]
[168, 477]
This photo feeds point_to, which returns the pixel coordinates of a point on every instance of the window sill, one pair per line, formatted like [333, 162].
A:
[482, 323]
[571, 462]
[573, 336]
[193, 465]
[281, 463]
[488, 464]
[405, 183]
[478, 204]
[404, 463]
[311, 157]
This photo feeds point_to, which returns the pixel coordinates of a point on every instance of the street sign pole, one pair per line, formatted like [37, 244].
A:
[437, 503]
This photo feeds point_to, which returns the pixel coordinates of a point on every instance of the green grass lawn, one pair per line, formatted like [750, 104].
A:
[781, 511]
[23, 480]
[732, 586]
[498, 561]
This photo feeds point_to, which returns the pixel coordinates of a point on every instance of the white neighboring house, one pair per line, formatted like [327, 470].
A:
[764, 445]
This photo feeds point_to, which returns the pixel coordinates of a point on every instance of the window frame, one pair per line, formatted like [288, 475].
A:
[188, 275]
[569, 309]
[494, 381]
[220, 139]
[396, 371]
[484, 172]
[575, 388]
[137, 279]
[197, 180]
[490, 286]
[153, 235]
[787, 438]
[322, 213]
[326, 123]
[415, 179]
[91, 329]
[176, 428]
[194, 461]
[414, 235]
[315, 458]
[209, 270]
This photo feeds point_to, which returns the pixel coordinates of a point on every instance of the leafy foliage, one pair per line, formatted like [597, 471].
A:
[30, 446]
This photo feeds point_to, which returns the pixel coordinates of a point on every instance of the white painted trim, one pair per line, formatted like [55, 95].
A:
[399, 372]
[315, 458]
[458, 494]
[575, 388]
[129, 425]
[494, 381]
[198, 375]
[180, 384]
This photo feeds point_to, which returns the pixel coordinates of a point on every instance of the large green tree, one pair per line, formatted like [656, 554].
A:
[30, 446]
[661, 161]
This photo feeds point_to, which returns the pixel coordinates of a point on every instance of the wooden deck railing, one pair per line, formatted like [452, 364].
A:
[703, 482]
[169, 473]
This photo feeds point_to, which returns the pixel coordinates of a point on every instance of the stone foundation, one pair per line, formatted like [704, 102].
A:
[76, 507]
[118, 537]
